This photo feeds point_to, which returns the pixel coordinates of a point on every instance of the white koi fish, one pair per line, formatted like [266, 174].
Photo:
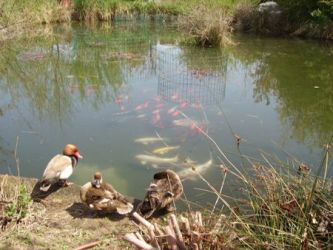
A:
[164, 150]
[148, 140]
[154, 160]
[189, 173]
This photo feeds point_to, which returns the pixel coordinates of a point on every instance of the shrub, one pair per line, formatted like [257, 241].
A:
[305, 10]
[18, 209]
[207, 27]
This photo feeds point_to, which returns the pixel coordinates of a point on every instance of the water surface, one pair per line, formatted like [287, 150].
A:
[104, 87]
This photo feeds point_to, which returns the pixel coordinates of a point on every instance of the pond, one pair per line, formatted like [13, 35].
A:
[109, 89]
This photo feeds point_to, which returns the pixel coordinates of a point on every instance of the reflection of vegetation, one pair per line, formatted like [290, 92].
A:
[304, 99]
[19, 17]
[50, 72]
[212, 60]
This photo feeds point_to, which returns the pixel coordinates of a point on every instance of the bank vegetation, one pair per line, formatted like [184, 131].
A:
[283, 205]
[206, 24]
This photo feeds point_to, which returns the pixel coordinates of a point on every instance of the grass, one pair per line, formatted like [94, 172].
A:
[208, 24]
[59, 223]
[207, 27]
[20, 17]
[284, 206]
[284, 209]
[15, 202]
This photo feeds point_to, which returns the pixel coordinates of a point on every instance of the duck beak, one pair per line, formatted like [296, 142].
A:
[77, 154]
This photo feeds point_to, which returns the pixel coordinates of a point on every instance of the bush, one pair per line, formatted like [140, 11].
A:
[18, 209]
[206, 26]
[305, 10]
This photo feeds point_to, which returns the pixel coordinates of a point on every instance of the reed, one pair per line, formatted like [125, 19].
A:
[19, 18]
[207, 26]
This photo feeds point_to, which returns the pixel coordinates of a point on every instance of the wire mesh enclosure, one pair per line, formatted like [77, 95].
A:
[180, 77]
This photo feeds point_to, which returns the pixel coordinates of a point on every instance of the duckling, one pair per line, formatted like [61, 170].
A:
[102, 196]
[60, 167]
[161, 194]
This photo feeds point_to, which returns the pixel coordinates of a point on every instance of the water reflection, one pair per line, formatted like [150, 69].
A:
[182, 76]
[299, 76]
[103, 87]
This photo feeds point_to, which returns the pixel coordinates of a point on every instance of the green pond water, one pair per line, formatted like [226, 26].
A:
[104, 87]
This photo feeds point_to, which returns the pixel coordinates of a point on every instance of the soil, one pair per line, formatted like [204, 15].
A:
[58, 220]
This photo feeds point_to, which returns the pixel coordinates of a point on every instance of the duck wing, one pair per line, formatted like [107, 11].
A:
[56, 166]
[83, 191]
[168, 182]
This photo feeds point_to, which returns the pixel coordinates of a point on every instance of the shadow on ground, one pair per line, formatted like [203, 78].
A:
[38, 195]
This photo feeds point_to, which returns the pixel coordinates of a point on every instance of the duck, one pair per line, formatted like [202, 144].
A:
[103, 197]
[60, 167]
[161, 194]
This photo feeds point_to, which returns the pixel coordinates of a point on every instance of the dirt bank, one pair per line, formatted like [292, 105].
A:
[60, 221]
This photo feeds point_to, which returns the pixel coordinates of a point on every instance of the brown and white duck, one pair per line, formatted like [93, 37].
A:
[102, 196]
[163, 191]
[60, 167]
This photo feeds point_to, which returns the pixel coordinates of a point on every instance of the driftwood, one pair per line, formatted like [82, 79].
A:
[177, 235]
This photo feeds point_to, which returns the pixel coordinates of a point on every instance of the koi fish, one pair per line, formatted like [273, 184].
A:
[164, 150]
[118, 100]
[183, 122]
[196, 105]
[171, 110]
[141, 106]
[176, 113]
[183, 104]
[156, 116]
[148, 140]
[186, 122]
[154, 160]
[174, 97]
[190, 173]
